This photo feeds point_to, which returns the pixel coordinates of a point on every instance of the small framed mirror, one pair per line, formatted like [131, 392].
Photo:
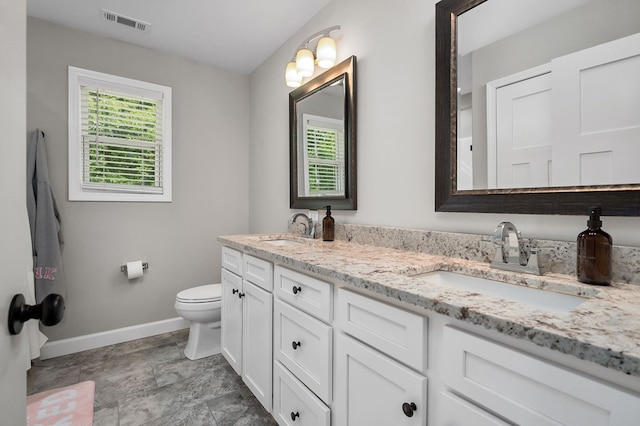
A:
[322, 135]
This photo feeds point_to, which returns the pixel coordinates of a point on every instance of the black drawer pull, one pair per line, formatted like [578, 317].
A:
[240, 295]
[409, 408]
[294, 415]
[297, 290]
[234, 291]
[295, 345]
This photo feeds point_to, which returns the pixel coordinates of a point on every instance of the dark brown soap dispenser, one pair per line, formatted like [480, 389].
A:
[594, 252]
[328, 226]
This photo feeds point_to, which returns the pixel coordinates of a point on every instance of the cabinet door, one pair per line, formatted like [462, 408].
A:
[231, 327]
[456, 411]
[372, 389]
[257, 342]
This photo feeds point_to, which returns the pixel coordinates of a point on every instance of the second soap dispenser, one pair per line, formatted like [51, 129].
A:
[328, 226]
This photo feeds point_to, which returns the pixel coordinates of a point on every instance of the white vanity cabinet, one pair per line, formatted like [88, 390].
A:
[303, 348]
[247, 315]
[378, 377]
[523, 389]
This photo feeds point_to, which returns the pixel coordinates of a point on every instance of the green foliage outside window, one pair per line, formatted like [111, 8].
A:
[322, 154]
[122, 140]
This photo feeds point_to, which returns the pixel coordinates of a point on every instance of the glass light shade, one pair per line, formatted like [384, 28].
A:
[326, 52]
[291, 75]
[304, 63]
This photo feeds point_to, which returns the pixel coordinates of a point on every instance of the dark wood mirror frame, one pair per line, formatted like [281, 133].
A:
[615, 200]
[345, 70]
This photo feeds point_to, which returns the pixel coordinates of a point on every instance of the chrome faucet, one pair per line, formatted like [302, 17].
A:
[309, 228]
[513, 254]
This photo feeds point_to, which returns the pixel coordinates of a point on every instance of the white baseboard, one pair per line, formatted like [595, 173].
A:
[111, 337]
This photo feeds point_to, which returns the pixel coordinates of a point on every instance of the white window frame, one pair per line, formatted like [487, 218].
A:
[78, 77]
[329, 124]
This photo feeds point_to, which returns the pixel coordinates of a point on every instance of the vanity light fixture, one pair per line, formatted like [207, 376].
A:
[303, 61]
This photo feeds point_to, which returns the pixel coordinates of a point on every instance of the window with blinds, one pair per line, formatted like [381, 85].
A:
[119, 139]
[323, 156]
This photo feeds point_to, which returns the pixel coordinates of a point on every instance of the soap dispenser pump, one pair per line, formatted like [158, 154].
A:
[328, 226]
[594, 252]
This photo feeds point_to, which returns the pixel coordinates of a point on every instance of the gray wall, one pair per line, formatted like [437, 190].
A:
[210, 181]
[394, 43]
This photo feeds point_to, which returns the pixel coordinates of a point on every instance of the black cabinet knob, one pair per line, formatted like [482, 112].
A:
[408, 408]
[234, 291]
[295, 345]
[296, 290]
[294, 415]
[50, 312]
[240, 295]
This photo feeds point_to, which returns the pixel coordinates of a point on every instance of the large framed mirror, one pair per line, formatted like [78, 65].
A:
[538, 106]
[322, 135]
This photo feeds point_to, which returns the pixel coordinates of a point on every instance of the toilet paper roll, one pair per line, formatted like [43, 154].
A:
[134, 269]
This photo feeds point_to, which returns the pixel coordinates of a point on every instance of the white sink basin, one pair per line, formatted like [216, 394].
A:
[282, 242]
[543, 299]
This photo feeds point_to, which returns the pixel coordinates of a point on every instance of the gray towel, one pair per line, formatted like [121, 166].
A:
[46, 238]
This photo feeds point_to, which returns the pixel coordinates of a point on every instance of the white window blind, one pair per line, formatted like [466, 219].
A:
[119, 138]
[323, 156]
[121, 141]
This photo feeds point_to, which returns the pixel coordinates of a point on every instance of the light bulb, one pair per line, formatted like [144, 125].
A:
[304, 63]
[291, 75]
[326, 52]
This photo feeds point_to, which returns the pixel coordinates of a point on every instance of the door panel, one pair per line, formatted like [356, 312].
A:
[523, 133]
[15, 244]
[596, 99]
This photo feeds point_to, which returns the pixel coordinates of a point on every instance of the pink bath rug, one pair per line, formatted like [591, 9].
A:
[70, 406]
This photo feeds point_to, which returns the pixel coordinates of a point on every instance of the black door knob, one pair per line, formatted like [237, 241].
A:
[408, 408]
[295, 345]
[50, 311]
[294, 415]
[234, 291]
[240, 295]
[296, 289]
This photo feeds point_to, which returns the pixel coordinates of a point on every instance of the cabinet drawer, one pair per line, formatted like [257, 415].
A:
[304, 345]
[258, 271]
[304, 292]
[398, 333]
[530, 391]
[456, 411]
[232, 260]
[293, 403]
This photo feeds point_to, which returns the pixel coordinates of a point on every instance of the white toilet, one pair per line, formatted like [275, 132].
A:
[201, 306]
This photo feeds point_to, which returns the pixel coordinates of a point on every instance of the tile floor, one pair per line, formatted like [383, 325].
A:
[150, 382]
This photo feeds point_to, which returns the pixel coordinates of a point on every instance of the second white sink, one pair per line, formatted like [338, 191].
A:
[282, 242]
[543, 299]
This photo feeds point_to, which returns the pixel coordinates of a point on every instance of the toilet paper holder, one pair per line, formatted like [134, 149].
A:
[145, 266]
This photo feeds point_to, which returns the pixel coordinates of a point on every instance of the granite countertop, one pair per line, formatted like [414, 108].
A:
[604, 329]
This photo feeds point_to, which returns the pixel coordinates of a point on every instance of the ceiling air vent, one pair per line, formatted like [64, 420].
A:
[125, 20]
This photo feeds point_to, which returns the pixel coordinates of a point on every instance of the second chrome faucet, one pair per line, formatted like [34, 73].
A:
[513, 254]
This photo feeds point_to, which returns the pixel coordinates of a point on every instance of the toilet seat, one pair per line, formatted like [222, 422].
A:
[201, 294]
